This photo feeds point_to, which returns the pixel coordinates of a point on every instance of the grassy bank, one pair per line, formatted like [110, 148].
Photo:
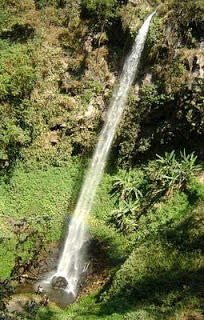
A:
[152, 243]
[45, 200]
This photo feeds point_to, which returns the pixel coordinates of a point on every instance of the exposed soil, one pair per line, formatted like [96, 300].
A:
[17, 302]
[99, 269]
[201, 177]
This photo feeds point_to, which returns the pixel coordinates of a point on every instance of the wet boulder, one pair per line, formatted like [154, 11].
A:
[59, 282]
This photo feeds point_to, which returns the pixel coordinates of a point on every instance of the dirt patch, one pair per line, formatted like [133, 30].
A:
[201, 177]
[99, 269]
[17, 302]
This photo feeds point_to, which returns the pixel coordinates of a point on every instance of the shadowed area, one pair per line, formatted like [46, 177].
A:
[58, 295]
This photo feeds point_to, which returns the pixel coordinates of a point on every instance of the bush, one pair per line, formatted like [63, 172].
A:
[103, 9]
[44, 3]
[17, 78]
[137, 193]
[186, 17]
[168, 173]
[128, 186]
[17, 75]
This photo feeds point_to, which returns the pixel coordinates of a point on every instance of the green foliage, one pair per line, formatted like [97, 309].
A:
[166, 242]
[17, 78]
[44, 3]
[157, 275]
[186, 17]
[17, 75]
[152, 97]
[118, 245]
[4, 15]
[162, 216]
[127, 186]
[154, 35]
[136, 134]
[43, 198]
[154, 271]
[125, 216]
[166, 113]
[168, 173]
[161, 279]
[104, 9]
[12, 138]
[137, 192]
[149, 220]
[128, 189]
[92, 89]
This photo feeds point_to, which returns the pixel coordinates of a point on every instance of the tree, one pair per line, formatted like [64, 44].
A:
[102, 12]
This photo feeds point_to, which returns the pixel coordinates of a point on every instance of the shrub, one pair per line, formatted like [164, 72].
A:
[128, 186]
[125, 216]
[128, 190]
[103, 9]
[17, 78]
[17, 75]
[168, 173]
[186, 17]
[137, 193]
[44, 3]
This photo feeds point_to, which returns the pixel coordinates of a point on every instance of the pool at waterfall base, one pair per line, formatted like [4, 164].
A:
[57, 289]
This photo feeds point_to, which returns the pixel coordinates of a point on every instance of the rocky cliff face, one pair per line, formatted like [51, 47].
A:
[168, 112]
[60, 63]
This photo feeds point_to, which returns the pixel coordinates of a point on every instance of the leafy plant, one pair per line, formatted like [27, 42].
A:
[137, 193]
[169, 173]
[6, 290]
[43, 3]
[186, 17]
[124, 217]
[17, 75]
[128, 186]
[103, 9]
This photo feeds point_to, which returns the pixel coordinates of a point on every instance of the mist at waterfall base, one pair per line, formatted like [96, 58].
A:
[72, 263]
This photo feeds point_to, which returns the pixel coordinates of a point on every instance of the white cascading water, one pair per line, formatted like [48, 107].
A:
[71, 262]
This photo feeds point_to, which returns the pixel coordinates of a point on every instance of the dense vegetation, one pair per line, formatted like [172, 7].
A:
[59, 62]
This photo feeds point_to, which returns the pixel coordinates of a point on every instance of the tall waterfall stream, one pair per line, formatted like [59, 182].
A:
[71, 262]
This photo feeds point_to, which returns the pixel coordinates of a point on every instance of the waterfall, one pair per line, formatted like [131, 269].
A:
[71, 261]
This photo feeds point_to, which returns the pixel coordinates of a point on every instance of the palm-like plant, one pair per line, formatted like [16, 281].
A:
[136, 191]
[187, 168]
[124, 217]
[128, 191]
[169, 173]
[127, 186]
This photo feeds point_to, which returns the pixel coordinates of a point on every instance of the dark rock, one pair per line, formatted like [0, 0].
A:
[59, 282]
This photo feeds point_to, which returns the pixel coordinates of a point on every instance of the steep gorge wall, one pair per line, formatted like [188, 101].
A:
[61, 60]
